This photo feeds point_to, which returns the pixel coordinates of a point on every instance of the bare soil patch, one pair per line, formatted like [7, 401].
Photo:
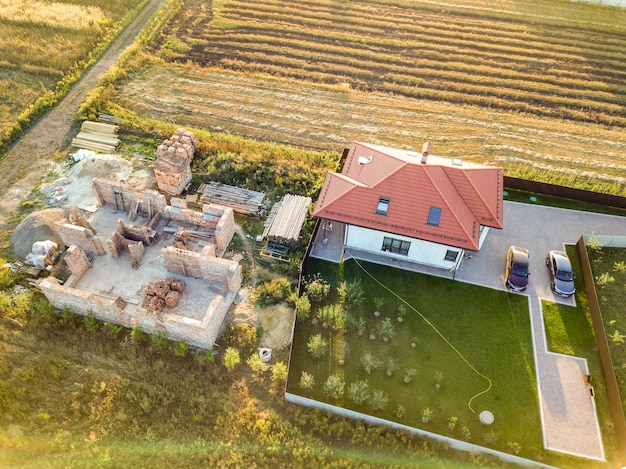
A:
[276, 322]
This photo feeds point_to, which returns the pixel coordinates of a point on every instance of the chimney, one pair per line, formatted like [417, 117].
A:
[425, 152]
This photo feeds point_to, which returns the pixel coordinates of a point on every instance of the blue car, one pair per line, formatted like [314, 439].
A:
[561, 275]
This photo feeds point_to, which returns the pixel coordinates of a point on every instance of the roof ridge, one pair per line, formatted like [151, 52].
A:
[445, 199]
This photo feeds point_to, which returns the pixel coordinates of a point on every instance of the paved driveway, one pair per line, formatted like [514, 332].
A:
[568, 412]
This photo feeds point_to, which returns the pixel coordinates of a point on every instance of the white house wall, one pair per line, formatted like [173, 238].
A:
[424, 252]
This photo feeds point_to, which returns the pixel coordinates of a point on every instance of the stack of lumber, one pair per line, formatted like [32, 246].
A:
[289, 218]
[240, 200]
[97, 136]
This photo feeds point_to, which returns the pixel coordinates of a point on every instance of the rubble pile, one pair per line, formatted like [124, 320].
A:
[161, 293]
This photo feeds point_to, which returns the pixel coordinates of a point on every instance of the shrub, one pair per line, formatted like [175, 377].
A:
[279, 372]
[231, 358]
[181, 348]
[514, 447]
[273, 291]
[137, 334]
[452, 421]
[43, 308]
[257, 367]
[159, 340]
[350, 293]
[370, 362]
[427, 415]
[333, 316]
[379, 400]
[241, 336]
[7, 276]
[359, 391]
[604, 279]
[91, 323]
[386, 329]
[317, 346]
[303, 307]
[390, 366]
[400, 411]
[409, 374]
[617, 337]
[333, 387]
[317, 289]
[112, 329]
[205, 357]
[307, 381]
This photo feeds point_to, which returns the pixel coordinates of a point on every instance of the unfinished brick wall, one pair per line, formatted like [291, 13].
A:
[203, 265]
[198, 333]
[225, 229]
[80, 236]
[152, 202]
[77, 261]
[118, 194]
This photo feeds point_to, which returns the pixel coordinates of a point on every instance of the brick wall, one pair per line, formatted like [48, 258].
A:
[80, 236]
[106, 190]
[203, 265]
[199, 333]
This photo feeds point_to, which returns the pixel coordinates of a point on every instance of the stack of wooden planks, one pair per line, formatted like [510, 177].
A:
[97, 136]
[240, 200]
[289, 218]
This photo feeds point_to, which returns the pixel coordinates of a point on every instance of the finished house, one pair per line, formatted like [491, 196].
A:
[402, 204]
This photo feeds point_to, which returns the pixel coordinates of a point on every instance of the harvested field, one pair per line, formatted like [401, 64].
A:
[546, 59]
[537, 89]
[325, 117]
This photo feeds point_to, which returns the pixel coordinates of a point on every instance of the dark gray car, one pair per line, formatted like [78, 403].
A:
[517, 268]
[561, 275]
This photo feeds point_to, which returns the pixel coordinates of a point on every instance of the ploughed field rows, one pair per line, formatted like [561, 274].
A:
[330, 117]
[545, 60]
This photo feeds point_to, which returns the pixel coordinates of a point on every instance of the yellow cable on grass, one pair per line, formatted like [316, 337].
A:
[469, 404]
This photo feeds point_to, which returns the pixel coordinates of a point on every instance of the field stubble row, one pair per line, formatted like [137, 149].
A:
[325, 117]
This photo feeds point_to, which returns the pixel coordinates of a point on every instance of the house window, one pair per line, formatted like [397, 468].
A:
[451, 255]
[396, 245]
[433, 216]
[383, 206]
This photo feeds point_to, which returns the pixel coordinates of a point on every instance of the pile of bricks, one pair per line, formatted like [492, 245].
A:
[161, 293]
[182, 143]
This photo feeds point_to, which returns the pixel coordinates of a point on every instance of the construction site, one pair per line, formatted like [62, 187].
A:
[135, 256]
[130, 245]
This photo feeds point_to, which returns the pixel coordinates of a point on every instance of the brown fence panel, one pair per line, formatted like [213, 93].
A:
[565, 192]
[612, 389]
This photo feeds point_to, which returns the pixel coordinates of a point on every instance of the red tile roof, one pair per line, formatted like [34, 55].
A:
[468, 194]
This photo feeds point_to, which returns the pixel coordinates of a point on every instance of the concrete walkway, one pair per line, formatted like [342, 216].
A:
[567, 408]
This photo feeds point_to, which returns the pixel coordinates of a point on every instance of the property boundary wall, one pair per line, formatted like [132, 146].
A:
[371, 420]
[565, 192]
[615, 402]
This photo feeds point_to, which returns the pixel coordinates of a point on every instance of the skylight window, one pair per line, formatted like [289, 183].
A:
[434, 215]
[383, 206]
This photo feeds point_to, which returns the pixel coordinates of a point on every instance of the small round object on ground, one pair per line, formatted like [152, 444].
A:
[505, 193]
[265, 354]
[486, 417]
[533, 198]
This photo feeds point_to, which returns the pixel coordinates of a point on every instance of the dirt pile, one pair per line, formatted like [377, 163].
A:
[38, 226]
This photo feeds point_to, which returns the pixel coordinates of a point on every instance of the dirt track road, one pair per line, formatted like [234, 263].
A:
[32, 156]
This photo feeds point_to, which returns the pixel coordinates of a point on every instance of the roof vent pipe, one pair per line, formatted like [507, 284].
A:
[425, 152]
[364, 159]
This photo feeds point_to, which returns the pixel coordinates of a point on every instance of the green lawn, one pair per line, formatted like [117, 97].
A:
[487, 342]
